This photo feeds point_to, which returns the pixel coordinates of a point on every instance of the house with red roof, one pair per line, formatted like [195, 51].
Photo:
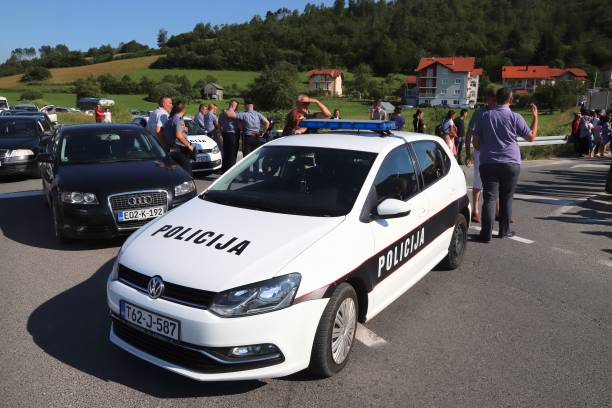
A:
[448, 81]
[326, 81]
[526, 79]
[411, 92]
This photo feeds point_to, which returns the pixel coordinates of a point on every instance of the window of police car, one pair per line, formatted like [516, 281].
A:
[433, 161]
[299, 180]
[397, 177]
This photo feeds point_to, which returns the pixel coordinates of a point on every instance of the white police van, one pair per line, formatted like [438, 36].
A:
[269, 270]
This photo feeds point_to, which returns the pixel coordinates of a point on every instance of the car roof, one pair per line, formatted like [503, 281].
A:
[99, 126]
[365, 141]
[20, 117]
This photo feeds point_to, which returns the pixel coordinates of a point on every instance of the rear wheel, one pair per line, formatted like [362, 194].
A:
[456, 249]
[336, 333]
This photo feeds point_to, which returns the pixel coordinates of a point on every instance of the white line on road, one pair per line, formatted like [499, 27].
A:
[19, 194]
[546, 200]
[368, 337]
[591, 166]
[561, 210]
[514, 238]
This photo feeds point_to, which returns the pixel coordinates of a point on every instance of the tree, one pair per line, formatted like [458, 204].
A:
[162, 38]
[275, 88]
[87, 88]
[30, 95]
[36, 74]
[164, 90]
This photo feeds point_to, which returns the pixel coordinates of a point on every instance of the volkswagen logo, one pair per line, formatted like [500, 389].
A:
[140, 200]
[155, 287]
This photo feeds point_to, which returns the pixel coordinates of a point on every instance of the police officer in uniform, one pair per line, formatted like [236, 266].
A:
[254, 125]
[231, 132]
[174, 136]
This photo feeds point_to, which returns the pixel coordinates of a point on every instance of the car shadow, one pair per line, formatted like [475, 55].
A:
[73, 327]
[27, 219]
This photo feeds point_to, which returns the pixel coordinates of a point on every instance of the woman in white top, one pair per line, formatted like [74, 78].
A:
[107, 116]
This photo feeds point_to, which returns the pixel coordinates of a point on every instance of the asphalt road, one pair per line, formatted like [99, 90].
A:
[523, 323]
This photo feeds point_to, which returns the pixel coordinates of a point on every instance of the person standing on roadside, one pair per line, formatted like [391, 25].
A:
[606, 134]
[254, 124]
[575, 135]
[230, 132]
[378, 113]
[477, 182]
[211, 125]
[336, 114]
[449, 131]
[302, 111]
[417, 122]
[99, 113]
[108, 116]
[460, 139]
[398, 119]
[175, 137]
[158, 118]
[495, 136]
[199, 117]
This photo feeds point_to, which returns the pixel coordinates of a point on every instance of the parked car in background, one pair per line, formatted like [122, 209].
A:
[53, 110]
[25, 107]
[21, 139]
[4, 105]
[88, 105]
[106, 180]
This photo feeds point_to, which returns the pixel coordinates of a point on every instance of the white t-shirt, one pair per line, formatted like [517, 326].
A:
[107, 117]
[446, 125]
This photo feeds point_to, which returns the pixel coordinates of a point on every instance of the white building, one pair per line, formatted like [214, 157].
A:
[448, 81]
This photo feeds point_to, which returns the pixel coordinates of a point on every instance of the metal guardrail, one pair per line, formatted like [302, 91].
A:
[544, 141]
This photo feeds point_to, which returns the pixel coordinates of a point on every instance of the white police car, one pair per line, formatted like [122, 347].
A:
[268, 271]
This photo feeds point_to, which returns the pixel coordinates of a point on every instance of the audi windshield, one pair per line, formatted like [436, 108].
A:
[102, 145]
[295, 180]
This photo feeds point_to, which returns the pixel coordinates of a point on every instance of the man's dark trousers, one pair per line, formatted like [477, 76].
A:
[497, 178]
[230, 149]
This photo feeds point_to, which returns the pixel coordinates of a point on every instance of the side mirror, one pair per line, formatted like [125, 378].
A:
[44, 158]
[392, 208]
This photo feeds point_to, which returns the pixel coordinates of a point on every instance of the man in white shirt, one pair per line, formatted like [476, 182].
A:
[159, 117]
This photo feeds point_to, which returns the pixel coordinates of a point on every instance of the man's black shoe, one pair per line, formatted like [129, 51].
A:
[478, 238]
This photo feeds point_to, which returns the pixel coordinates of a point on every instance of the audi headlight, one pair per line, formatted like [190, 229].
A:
[261, 297]
[215, 150]
[77, 197]
[21, 152]
[184, 188]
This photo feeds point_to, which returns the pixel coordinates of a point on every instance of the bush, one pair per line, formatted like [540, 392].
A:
[74, 118]
[36, 74]
[164, 90]
[275, 88]
[87, 88]
[30, 95]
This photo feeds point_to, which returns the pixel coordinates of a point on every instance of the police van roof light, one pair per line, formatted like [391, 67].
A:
[374, 125]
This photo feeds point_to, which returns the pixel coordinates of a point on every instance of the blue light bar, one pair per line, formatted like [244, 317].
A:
[374, 125]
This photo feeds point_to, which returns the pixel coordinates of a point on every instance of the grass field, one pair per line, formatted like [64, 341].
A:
[66, 75]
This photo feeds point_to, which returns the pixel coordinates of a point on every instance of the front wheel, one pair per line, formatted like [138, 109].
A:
[336, 333]
[456, 249]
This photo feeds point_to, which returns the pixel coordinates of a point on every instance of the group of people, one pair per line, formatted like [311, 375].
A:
[166, 122]
[102, 116]
[591, 133]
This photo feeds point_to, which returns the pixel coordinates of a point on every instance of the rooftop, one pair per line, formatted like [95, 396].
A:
[333, 72]
[539, 71]
[455, 64]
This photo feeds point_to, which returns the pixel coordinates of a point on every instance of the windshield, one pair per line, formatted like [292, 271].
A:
[95, 146]
[3, 104]
[193, 129]
[18, 128]
[29, 108]
[295, 180]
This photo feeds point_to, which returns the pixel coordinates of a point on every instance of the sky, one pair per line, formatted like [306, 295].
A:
[81, 24]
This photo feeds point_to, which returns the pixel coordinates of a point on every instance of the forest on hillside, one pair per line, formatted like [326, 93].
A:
[391, 37]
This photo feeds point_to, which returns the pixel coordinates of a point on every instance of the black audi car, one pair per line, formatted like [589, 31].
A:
[103, 180]
[21, 139]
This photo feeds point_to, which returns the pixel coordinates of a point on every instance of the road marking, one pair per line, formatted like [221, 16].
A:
[605, 263]
[546, 200]
[368, 337]
[563, 251]
[591, 166]
[20, 194]
[514, 238]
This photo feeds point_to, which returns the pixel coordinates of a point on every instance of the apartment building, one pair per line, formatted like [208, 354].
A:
[448, 81]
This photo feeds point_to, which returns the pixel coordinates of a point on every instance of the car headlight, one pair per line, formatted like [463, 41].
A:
[215, 150]
[261, 297]
[21, 152]
[184, 188]
[76, 197]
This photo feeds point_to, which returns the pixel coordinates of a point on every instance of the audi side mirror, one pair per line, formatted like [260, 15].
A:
[392, 208]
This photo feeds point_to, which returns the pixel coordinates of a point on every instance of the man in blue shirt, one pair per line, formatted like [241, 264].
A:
[199, 117]
[230, 130]
[254, 124]
[495, 136]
